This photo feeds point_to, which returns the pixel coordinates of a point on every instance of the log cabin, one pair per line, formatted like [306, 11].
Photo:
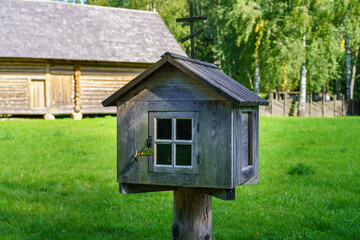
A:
[59, 58]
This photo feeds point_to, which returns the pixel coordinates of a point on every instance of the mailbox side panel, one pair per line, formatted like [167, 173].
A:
[246, 145]
[132, 132]
[215, 167]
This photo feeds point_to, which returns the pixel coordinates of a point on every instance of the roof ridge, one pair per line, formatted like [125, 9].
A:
[92, 6]
[177, 56]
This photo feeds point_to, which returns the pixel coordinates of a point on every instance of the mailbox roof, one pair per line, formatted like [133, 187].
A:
[205, 72]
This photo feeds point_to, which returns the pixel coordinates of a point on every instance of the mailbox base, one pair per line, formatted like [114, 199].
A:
[192, 216]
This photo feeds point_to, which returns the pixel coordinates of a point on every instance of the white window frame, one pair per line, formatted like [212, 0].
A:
[153, 166]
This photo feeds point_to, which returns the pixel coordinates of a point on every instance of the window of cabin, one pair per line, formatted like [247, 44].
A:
[173, 142]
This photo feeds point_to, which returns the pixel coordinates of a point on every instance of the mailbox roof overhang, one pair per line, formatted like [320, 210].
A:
[207, 73]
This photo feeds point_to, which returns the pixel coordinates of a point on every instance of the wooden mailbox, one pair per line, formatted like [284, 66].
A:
[189, 125]
[184, 123]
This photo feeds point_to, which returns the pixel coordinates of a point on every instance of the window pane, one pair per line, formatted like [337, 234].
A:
[163, 128]
[183, 155]
[183, 129]
[163, 154]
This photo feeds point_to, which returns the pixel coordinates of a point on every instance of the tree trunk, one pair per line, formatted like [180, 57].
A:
[192, 216]
[302, 99]
[352, 83]
[257, 78]
[348, 71]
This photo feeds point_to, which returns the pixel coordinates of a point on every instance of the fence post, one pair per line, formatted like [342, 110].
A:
[285, 97]
[311, 98]
[323, 103]
[271, 101]
[334, 99]
[342, 105]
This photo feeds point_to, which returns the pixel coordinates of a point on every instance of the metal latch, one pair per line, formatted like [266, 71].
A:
[146, 152]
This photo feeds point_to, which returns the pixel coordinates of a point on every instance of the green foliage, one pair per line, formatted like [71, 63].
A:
[300, 169]
[58, 181]
[240, 32]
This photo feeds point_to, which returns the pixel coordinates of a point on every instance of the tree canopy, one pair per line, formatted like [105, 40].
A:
[242, 33]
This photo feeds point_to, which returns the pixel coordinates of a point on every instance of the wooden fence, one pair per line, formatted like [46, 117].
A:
[286, 104]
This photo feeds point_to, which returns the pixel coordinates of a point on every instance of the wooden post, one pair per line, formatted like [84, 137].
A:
[77, 88]
[310, 103]
[192, 217]
[77, 115]
[334, 99]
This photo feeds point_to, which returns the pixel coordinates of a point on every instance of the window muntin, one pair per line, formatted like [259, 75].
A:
[176, 140]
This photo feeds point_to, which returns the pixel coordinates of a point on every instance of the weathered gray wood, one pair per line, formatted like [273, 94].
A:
[181, 106]
[128, 188]
[253, 180]
[236, 147]
[173, 179]
[192, 215]
[215, 141]
[132, 133]
[171, 84]
[255, 140]
[223, 194]
[245, 139]
[245, 144]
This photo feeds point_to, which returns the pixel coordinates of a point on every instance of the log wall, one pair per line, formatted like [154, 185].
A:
[33, 86]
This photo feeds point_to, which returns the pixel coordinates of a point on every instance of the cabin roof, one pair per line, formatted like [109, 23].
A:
[205, 72]
[58, 30]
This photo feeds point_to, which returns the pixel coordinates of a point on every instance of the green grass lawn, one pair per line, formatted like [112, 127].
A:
[58, 181]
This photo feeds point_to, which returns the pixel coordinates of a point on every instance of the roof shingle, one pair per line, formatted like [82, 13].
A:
[56, 30]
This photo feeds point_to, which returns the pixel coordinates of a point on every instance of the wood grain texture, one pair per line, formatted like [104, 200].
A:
[245, 147]
[132, 126]
[128, 188]
[13, 93]
[212, 153]
[61, 90]
[98, 81]
[215, 168]
[171, 84]
[192, 215]
[37, 93]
